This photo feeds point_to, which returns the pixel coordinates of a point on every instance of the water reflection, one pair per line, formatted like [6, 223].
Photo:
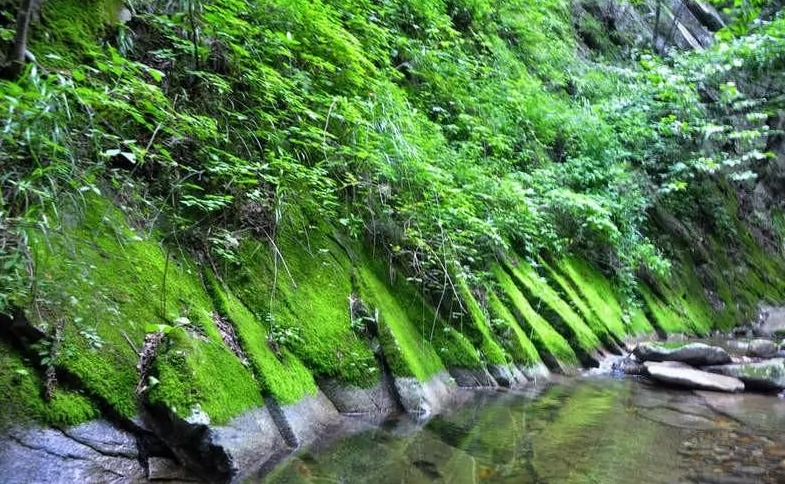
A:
[582, 431]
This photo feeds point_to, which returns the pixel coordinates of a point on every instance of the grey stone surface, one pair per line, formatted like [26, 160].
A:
[162, 469]
[762, 375]
[772, 321]
[696, 354]
[682, 375]
[473, 378]
[425, 399]
[377, 400]
[508, 376]
[538, 373]
[311, 418]
[761, 348]
[95, 452]
[220, 453]
[706, 14]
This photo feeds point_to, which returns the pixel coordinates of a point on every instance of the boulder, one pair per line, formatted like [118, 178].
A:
[762, 375]
[425, 399]
[761, 348]
[696, 354]
[684, 376]
[95, 451]
[772, 321]
[473, 377]
[706, 14]
[508, 376]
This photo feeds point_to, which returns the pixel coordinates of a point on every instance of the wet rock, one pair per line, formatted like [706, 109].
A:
[706, 14]
[737, 346]
[629, 366]
[162, 469]
[681, 375]
[508, 376]
[377, 400]
[760, 412]
[220, 453]
[762, 375]
[473, 378]
[92, 452]
[425, 399]
[696, 354]
[761, 348]
[305, 421]
[536, 373]
[771, 321]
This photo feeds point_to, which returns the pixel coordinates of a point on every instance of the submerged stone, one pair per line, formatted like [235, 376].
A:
[697, 354]
[763, 375]
[683, 375]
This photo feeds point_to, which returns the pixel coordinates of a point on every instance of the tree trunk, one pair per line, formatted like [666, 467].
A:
[19, 48]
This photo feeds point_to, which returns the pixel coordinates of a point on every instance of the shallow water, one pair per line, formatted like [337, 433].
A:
[589, 430]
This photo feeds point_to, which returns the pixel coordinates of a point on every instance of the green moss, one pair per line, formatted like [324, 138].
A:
[106, 283]
[283, 376]
[475, 324]
[546, 339]
[404, 331]
[555, 310]
[602, 299]
[639, 323]
[21, 396]
[512, 337]
[73, 29]
[662, 316]
[302, 287]
[193, 372]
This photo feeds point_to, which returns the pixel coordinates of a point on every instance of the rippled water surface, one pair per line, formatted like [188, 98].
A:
[582, 431]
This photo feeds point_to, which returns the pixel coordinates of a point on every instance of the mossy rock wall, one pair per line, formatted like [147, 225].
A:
[104, 287]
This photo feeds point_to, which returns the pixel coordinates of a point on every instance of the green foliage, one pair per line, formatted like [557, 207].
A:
[443, 135]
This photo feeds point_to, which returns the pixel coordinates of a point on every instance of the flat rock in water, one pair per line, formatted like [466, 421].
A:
[762, 375]
[697, 354]
[691, 378]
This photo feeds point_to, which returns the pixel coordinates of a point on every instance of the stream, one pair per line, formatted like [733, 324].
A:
[582, 430]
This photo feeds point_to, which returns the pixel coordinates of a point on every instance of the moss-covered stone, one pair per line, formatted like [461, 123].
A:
[510, 334]
[300, 287]
[557, 312]
[474, 322]
[662, 316]
[21, 396]
[73, 29]
[546, 339]
[193, 373]
[601, 300]
[406, 325]
[281, 375]
[107, 285]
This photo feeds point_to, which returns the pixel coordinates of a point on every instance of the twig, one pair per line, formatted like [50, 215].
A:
[130, 343]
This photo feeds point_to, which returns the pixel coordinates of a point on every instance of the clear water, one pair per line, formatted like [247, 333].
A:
[582, 431]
